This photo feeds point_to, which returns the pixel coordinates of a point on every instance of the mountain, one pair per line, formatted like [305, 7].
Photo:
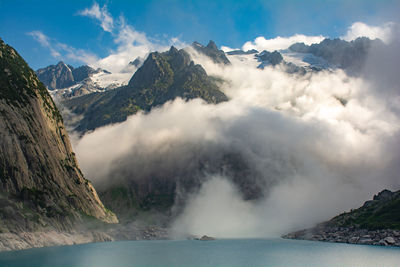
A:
[56, 76]
[346, 55]
[65, 81]
[241, 52]
[62, 76]
[377, 222]
[41, 185]
[162, 77]
[211, 51]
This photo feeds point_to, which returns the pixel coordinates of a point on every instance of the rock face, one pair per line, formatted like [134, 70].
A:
[83, 72]
[162, 77]
[41, 185]
[211, 50]
[268, 58]
[61, 75]
[377, 222]
[56, 76]
[347, 55]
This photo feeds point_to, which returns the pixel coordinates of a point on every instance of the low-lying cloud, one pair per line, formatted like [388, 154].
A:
[284, 153]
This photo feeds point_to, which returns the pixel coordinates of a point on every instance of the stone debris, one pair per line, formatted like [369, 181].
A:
[351, 235]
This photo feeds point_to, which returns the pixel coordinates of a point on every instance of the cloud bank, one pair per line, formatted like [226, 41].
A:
[279, 43]
[360, 29]
[284, 153]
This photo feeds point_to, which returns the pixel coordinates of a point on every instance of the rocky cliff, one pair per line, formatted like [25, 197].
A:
[41, 185]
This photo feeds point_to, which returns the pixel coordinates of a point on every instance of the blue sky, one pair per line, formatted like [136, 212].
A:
[229, 23]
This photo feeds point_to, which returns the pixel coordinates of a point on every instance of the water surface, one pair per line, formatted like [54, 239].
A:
[228, 252]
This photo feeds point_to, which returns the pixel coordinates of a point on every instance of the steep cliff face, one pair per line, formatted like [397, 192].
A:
[41, 185]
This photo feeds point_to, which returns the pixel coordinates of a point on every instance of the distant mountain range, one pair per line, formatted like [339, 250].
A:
[61, 76]
[349, 56]
[162, 77]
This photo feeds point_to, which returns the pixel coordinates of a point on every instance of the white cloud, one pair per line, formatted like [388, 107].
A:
[360, 29]
[130, 45]
[129, 42]
[278, 43]
[313, 152]
[101, 14]
[45, 42]
[62, 51]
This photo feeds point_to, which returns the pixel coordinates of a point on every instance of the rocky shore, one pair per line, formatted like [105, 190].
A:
[26, 240]
[349, 235]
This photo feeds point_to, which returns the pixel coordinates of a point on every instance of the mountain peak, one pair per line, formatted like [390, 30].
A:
[211, 50]
[61, 63]
[212, 45]
[173, 50]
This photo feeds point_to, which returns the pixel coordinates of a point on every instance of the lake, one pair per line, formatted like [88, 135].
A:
[225, 252]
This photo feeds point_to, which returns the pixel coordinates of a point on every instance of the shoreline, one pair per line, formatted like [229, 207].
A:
[27, 240]
[385, 237]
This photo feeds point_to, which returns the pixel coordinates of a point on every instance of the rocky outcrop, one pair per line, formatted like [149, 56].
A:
[41, 185]
[211, 51]
[377, 222]
[351, 235]
[162, 77]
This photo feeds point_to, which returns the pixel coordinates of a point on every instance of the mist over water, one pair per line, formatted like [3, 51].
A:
[306, 154]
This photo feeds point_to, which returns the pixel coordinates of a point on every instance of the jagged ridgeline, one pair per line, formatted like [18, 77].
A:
[162, 77]
[41, 185]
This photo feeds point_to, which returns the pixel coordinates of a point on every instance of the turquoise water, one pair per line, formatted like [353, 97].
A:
[236, 252]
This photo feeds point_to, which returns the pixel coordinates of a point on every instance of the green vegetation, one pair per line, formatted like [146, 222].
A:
[380, 213]
[18, 82]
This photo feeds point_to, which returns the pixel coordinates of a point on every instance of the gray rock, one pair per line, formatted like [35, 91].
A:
[390, 240]
[365, 241]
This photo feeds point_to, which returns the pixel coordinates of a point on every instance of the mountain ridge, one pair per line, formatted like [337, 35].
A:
[162, 77]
